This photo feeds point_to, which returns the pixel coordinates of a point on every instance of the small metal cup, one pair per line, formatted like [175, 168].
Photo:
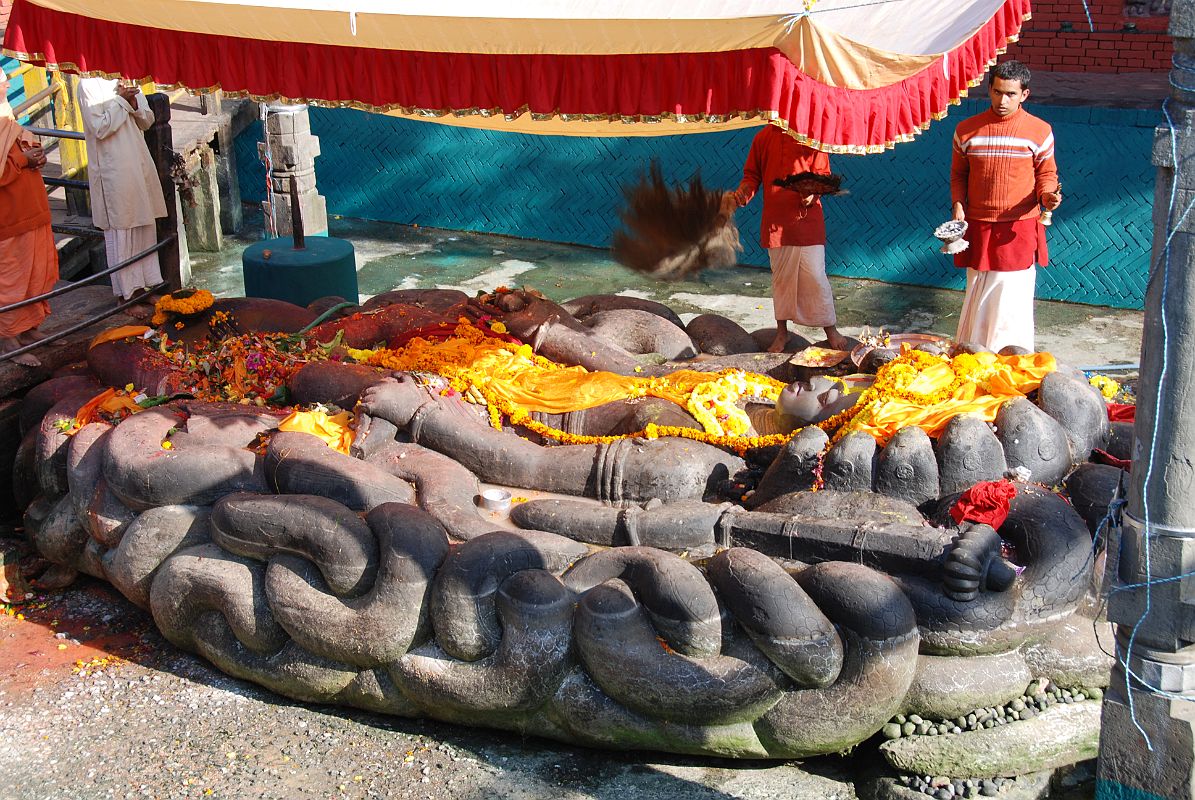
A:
[1047, 217]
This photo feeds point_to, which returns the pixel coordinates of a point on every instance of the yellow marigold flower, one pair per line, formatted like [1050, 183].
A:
[1108, 387]
[498, 327]
[184, 301]
[166, 445]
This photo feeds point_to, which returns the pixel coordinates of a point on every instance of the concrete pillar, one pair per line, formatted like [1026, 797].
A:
[289, 151]
[1147, 739]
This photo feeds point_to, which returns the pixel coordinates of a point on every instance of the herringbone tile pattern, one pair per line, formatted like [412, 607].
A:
[569, 189]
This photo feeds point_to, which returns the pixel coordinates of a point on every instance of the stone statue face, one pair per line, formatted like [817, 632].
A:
[806, 402]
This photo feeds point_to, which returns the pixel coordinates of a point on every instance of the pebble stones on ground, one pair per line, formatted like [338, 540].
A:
[163, 724]
[1034, 786]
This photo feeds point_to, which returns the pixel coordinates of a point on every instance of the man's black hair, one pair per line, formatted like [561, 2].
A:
[1012, 71]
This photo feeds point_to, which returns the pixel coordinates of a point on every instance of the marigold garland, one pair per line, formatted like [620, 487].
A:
[479, 362]
[184, 302]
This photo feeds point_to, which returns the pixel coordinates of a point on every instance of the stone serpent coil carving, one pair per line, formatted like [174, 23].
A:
[641, 606]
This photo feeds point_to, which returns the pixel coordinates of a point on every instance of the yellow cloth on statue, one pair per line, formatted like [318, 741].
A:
[335, 431]
[557, 391]
[1000, 378]
[514, 374]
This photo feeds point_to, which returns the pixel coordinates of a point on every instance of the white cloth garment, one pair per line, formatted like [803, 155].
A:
[121, 243]
[801, 291]
[998, 309]
[125, 191]
[126, 196]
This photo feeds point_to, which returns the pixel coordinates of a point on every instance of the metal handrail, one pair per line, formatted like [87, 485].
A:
[20, 351]
[76, 230]
[90, 278]
[30, 102]
[57, 132]
[69, 183]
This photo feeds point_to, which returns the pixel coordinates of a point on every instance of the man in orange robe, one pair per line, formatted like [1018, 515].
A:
[793, 231]
[28, 257]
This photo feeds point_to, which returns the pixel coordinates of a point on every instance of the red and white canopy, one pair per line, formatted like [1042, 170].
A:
[840, 75]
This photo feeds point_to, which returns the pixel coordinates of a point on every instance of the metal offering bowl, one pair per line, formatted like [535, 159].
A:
[895, 340]
[951, 235]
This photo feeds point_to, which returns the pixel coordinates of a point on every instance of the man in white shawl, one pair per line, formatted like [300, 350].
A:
[126, 196]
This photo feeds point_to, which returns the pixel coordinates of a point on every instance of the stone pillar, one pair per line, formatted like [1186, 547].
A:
[160, 141]
[1155, 623]
[291, 152]
[202, 209]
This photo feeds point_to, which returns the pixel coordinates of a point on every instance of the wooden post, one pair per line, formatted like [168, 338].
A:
[72, 152]
[160, 141]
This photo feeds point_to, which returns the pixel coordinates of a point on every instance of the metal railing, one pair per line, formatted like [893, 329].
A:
[159, 140]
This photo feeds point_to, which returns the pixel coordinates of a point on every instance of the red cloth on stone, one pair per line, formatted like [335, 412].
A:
[1122, 412]
[986, 502]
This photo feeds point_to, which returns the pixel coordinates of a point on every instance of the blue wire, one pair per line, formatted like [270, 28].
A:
[1153, 445]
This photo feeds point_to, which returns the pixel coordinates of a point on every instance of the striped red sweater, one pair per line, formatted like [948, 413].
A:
[1001, 167]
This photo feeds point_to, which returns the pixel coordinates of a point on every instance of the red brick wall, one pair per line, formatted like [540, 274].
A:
[1046, 45]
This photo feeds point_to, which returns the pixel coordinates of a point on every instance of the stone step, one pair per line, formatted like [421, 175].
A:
[1063, 734]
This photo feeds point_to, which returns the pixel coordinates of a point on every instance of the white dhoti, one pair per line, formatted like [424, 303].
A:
[998, 309]
[122, 243]
[801, 291]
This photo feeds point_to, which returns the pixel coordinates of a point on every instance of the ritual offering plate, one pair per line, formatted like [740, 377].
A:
[818, 357]
[893, 342]
[805, 183]
[951, 235]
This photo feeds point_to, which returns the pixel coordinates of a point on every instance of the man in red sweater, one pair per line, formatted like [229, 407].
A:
[1001, 169]
[793, 231]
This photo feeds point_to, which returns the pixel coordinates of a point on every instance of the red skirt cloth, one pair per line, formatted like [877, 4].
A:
[1004, 246]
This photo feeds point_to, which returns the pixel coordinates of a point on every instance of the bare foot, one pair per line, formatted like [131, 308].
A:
[34, 335]
[26, 360]
[778, 344]
[10, 343]
[139, 312]
[836, 340]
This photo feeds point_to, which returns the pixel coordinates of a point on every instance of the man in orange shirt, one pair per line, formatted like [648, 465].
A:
[793, 231]
[1002, 167]
[28, 257]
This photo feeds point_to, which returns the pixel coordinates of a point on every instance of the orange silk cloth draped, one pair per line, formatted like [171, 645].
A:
[1006, 377]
